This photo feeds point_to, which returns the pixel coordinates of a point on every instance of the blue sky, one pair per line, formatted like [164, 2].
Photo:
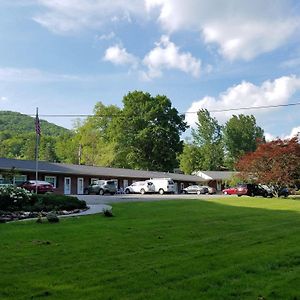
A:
[64, 56]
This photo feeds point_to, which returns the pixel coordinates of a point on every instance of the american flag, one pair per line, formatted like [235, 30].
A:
[37, 125]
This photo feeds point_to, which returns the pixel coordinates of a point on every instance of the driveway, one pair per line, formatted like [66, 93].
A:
[108, 199]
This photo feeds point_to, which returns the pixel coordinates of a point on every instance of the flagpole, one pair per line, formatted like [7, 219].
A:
[37, 132]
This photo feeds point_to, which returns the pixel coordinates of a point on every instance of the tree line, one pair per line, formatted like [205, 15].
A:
[216, 147]
[144, 134]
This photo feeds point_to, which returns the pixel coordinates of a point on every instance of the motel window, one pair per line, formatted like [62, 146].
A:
[93, 180]
[51, 179]
[18, 179]
[4, 180]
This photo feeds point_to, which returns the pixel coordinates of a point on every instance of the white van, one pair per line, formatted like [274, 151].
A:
[163, 185]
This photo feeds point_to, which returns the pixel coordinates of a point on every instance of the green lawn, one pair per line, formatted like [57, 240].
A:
[234, 248]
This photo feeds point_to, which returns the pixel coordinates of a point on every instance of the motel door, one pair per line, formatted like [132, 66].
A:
[67, 186]
[79, 186]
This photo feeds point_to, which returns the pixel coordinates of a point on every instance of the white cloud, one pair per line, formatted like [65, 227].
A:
[3, 99]
[240, 29]
[291, 63]
[269, 137]
[64, 16]
[106, 37]
[249, 38]
[36, 75]
[294, 132]
[166, 55]
[119, 56]
[246, 94]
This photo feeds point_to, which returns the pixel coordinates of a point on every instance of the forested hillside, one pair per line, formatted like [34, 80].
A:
[17, 123]
[18, 138]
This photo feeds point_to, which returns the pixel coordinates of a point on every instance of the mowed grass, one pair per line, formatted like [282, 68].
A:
[232, 248]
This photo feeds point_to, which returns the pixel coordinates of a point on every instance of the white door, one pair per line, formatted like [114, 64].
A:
[79, 186]
[67, 186]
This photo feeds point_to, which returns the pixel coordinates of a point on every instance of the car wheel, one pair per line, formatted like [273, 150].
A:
[142, 191]
[86, 192]
[198, 192]
[127, 191]
[225, 193]
[101, 192]
[161, 191]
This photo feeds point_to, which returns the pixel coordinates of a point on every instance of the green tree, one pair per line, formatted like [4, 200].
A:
[47, 149]
[96, 137]
[18, 138]
[241, 136]
[190, 159]
[67, 148]
[206, 151]
[208, 137]
[148, 135]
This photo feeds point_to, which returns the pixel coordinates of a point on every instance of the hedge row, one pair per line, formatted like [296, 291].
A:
[16, 199]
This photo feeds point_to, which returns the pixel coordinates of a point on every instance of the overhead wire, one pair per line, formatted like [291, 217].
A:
[184, 113]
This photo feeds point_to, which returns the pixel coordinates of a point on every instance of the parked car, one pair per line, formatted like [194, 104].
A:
[250, 189]
[42, 187]
[141, 187]
[230, 191]
[101, 187]
[283, 191]
[211, 190]
[195, 189]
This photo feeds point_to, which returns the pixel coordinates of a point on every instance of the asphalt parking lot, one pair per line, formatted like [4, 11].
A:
[108, 199]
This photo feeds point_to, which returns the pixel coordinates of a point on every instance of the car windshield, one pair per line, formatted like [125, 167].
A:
[242, 185]
[111, 182]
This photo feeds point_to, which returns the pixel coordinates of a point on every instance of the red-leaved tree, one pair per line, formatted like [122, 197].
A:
[276, 163]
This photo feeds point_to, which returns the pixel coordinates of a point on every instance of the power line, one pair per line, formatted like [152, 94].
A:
[188, 112]
[247, 108]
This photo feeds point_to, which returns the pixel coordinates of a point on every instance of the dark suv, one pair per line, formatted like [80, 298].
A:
[250, 189]
[101, 187]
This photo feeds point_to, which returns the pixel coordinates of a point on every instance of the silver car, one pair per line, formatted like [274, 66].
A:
[101, 187]
[195, 189]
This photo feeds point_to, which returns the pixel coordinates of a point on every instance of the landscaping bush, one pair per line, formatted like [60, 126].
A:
[49, 202]
[15, 199]
[52, 217]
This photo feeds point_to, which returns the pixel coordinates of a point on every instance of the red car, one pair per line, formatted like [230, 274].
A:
[43, 187]
[230, 191]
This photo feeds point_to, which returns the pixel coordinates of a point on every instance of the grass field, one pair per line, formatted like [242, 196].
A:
[232, 248]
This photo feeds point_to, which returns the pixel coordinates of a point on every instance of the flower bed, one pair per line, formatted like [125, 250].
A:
[17, 203]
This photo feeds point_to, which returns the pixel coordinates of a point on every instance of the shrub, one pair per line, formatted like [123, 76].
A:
[52, 217]
[107, 212]
[14, 198]
[50, 202]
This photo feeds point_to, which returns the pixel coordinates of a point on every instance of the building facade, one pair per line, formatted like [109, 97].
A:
[71, 179]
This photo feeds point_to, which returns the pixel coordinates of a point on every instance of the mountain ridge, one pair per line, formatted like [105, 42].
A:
[20, 123]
